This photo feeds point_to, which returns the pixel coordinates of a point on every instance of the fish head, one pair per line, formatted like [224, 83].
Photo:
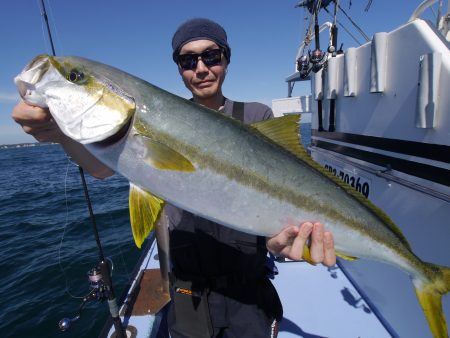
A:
[83, 100]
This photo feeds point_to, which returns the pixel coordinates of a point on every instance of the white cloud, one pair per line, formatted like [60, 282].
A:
[9, 96]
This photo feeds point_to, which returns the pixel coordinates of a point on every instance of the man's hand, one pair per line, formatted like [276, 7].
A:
[37, 122]
[289, 243]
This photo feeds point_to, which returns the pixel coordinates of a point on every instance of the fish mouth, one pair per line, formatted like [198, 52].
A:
[26, 81]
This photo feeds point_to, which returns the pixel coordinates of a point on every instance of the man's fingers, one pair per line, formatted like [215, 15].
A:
[291, 241]
[37, 122]
[29, 115]
[317, 249]
[281, 243]
[286, 237]
[46, 130]
[329, 252]
[300, 241]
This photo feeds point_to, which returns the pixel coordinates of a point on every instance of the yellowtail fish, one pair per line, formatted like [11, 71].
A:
[257, 179]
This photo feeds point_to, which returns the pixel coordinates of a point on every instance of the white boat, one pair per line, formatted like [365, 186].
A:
[388, 136]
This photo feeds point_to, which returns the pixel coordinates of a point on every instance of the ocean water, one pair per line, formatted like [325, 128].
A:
[48, 246]
[47, 242]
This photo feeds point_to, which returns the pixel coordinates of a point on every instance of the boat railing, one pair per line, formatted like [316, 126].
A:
[442, 21]
[421, 8]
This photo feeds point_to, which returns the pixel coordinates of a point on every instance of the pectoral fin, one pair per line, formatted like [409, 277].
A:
[145, 210]
[307, 255]
[161, 156]
[346, 257]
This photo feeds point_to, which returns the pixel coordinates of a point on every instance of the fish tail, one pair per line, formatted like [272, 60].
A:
[429, 291]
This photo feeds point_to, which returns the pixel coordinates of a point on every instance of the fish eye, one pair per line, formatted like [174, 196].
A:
[75, 76]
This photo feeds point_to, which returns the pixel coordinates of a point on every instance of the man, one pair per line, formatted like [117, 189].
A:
[219, 283]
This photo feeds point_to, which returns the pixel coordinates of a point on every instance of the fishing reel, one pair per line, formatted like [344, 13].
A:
[317, 58]
[97, 285]
[98, 291]
[303, 66]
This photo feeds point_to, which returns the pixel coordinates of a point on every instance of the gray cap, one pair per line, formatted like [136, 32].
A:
[200, 29]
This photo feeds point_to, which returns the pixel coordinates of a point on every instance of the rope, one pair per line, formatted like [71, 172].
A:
[355, 24]
[345, 29]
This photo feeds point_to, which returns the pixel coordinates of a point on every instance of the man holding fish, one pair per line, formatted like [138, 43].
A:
[224, 268]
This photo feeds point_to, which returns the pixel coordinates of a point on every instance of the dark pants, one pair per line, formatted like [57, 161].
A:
[232, 312]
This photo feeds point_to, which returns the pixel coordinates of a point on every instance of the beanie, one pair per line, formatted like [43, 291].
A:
[200, 29]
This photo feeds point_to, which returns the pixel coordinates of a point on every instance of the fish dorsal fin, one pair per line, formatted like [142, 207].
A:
[284, 131]
[161, 156]
[145, 209]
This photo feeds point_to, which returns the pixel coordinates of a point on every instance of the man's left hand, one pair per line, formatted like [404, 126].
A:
[289, 243]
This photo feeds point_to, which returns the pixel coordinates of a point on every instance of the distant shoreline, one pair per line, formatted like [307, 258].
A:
[26, 145]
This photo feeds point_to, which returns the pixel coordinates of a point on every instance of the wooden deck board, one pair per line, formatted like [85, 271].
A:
[148, 296]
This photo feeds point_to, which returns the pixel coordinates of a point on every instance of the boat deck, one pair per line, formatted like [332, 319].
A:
[317, 301]
[322, 302]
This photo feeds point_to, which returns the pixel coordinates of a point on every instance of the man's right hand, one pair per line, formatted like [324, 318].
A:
[37, 122]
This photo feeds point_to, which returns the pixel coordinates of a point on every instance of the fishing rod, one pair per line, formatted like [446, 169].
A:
[99, 277]
[332, 50]
[316, 59]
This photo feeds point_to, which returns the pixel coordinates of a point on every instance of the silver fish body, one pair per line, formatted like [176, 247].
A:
[244, 177]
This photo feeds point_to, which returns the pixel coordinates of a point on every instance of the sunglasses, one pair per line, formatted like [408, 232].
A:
[210, 57]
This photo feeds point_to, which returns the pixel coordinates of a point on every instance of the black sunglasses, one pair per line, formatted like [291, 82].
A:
[210, 57]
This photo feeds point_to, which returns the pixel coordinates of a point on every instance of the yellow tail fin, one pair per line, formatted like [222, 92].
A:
[145, 210]
[430, 295]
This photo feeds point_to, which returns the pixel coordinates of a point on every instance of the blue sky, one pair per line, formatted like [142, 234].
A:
[135, 36]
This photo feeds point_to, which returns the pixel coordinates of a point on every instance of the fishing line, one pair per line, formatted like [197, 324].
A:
[121, 255]
[368, 6]
[345, 29]
[359, 29]
[46, 43]
[53, 21]
[67, 290]
[307, 28]
[44, 15]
